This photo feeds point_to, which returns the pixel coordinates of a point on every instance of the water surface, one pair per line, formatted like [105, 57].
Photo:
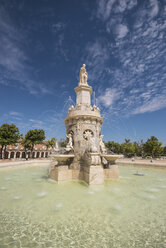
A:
[127, 212]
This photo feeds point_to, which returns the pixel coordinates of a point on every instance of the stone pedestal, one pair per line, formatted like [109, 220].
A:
[93, 175]
[92, 169]
[61, 173]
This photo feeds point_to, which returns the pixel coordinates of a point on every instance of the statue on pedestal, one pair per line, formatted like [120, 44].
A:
[102, 145]
[83, 75]
[69, 145]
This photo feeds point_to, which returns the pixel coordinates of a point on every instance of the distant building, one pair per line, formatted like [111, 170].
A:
[18, 152]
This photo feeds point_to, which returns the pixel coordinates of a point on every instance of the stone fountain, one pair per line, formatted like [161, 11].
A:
[86, 157]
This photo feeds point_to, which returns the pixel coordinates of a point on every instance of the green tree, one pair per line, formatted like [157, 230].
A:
[51, 143]
[63, 143]
[153, 147]
[164, 150]
[26, 144]
[33, 136]
[9, 135]
[128, 148]
[113, 147]
[137, 148]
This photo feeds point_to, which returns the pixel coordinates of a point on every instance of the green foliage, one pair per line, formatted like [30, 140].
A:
[113, 147]
[9, 135]
[138, 148]
[153, 147]
[27, 144]
[128, 149]
[51, 143]
[164, 151]
[33, 136]
[63, 143]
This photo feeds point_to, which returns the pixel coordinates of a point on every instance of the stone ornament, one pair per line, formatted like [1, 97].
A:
[71, 108]
[88, 134]
[92, 159]
[69, 145]
[102, 145]
[83, 75]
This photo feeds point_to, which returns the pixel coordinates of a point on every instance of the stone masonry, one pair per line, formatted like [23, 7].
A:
[83, 130]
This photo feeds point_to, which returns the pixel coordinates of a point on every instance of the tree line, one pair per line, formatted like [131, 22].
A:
[10, 135]
[151, 148]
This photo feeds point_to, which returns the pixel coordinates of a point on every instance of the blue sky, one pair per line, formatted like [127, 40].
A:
[43, 44]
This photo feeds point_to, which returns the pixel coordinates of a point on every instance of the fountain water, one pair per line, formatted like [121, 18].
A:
[86, 157]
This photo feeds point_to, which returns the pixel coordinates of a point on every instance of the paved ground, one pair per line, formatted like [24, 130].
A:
[159, 163]
[9, 163]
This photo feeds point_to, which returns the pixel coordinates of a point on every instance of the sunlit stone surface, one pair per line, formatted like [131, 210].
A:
[83, 130]
[126, 212]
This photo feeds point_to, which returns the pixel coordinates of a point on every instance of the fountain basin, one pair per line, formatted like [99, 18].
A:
[62, 158]
[111, 158]
[111, 170]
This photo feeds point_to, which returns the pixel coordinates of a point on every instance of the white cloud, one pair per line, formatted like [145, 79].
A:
[141, 73]
[154, 8]
[96, 56]
[135, 65]
[57, 27]
[150, 84]
[122, 5]
[154, 104]
[109, 97]
[104, 8]
[107, 7]
[121, 31]
[14, 113]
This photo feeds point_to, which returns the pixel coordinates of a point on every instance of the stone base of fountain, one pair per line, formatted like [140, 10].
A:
[63, 173]
[91, 169]
[94, 175]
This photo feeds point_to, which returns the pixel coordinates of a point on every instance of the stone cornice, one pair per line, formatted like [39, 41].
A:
[83, 87]
[84, 117]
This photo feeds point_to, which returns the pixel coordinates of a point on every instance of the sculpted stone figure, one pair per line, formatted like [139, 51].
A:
[56, 145]
[69, 146]
[102, 145]
[83, 75]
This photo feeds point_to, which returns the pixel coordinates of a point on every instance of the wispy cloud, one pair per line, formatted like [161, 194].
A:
[105, 8]
[58, 27]
[156, 103]
[109, 97]
[121, 30]
[96, 55]
[14, 113]
[137, 58]
[51, 121]
[154, 8]
[15, 66]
